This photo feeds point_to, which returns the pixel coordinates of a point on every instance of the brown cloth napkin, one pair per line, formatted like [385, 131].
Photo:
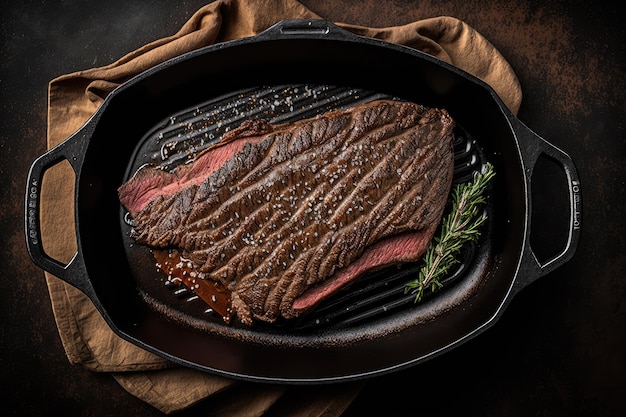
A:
[73, 98]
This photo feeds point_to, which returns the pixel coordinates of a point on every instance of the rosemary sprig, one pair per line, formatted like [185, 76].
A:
[461, 225]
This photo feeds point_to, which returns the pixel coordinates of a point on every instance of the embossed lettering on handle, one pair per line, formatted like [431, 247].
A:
[32, 212]
[576, 206]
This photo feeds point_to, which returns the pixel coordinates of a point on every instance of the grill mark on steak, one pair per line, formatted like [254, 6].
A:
[299, 203]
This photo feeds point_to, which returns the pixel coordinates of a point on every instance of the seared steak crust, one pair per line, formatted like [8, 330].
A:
[293, 209]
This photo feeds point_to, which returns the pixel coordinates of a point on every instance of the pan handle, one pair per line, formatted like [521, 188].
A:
[305, 28]
[532, 147]
[71, 150]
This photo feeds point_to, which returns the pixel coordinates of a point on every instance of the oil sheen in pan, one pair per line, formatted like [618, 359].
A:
[182, 136]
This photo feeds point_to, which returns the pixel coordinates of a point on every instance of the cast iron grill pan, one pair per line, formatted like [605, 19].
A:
[121, 280]
[181, 136]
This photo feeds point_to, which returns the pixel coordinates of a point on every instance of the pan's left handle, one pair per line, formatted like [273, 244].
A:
[532, 146]
[70, 150]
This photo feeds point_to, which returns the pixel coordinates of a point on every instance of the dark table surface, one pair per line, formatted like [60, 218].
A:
[560, 347]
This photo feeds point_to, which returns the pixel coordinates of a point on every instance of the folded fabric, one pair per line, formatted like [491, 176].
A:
[74, 97]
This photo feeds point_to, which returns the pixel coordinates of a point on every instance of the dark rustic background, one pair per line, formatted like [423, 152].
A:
[559, 349]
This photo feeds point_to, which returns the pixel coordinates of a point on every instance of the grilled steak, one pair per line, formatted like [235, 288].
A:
[284, 215]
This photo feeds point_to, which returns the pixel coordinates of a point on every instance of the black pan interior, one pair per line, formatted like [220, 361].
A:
[133, 111]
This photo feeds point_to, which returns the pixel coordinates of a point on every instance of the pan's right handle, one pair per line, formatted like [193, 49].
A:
[70, 150]
[533, 146]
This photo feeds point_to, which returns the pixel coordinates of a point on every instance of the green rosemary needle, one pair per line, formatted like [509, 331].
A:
[460, 225]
